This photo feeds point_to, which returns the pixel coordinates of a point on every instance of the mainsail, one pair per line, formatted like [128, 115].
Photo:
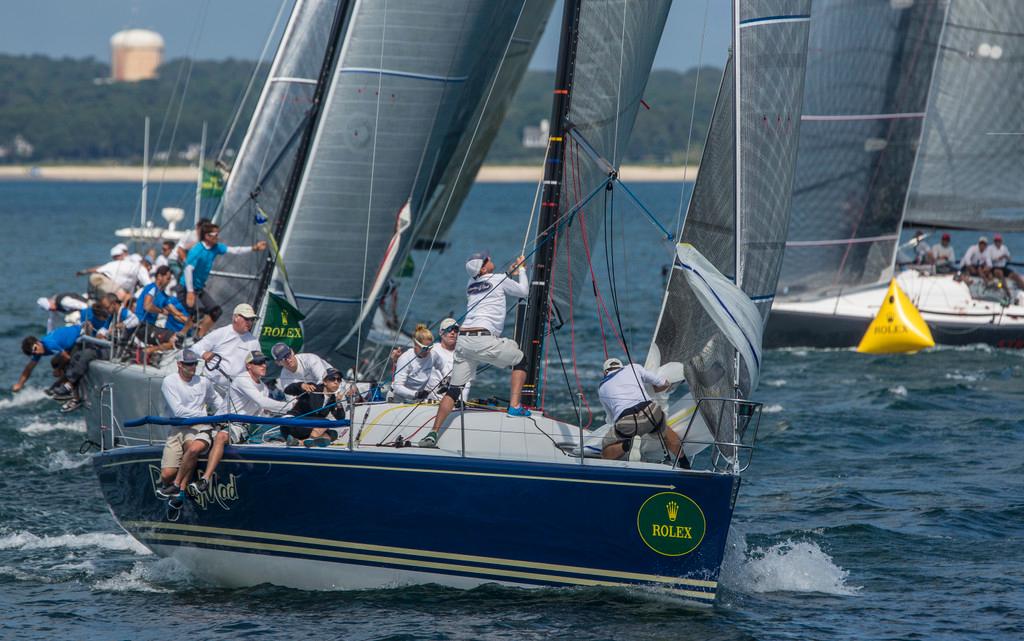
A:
[266, 158]
[739, 212]
[970, 168]
[869, 67]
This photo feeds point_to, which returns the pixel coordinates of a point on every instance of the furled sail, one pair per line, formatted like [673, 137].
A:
[869, 66]
[266, 158]
[617, 40]
[739, 211]
[399, 91]
[970, 168]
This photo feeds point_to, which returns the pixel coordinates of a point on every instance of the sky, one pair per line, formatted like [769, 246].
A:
[219, 29]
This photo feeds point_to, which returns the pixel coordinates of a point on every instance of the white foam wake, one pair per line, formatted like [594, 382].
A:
[899, 390]
[789, 566]
[146, 577]
[61, 460]
[774, 408]
[26, 396]
[43, 427]
[104, 540]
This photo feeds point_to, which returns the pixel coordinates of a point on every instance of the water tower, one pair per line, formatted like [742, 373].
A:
[135, 54]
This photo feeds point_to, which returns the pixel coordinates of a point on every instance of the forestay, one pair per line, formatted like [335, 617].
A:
[266, 158]
[739, 211]
[868, 70]
[970, 168]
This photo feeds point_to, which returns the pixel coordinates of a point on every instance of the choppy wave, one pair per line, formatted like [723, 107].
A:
[25, 540]
[776, 382]
[898, 390]
[61, 460]
[27, 396]
[35, 428]
[148, 577]
[774, 408]
[788, 566]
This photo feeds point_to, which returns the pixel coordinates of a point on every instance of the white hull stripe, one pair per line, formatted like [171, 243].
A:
[511, 575]
[383, 468]
[757, 22]
[404, 74]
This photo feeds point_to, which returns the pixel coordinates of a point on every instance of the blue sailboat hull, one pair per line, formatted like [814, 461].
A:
[336, 519]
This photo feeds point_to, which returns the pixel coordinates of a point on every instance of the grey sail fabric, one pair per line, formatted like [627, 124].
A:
[617, 40]
[771, 60]
[396, 97]
[970, 168]
[869, 67]
[267, 154]
[439, 206]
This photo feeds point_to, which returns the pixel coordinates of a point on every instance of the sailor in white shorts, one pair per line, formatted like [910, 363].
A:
[480, 338]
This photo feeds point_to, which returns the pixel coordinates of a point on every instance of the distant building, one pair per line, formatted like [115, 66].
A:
[135, 54]
[536, 137]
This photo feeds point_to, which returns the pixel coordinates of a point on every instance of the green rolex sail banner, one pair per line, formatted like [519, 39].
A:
[213, 184]
[281, 324]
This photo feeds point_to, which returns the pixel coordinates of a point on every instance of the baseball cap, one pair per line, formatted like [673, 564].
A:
[256, 357]
[476, 263]
[332, 374]
[188, 357]
[612, 363]
[448, 324]
[43, 302]
[244, 310]
[997, 237]
[281, 351]
[982, 240]
[118, 249]
[945, 237]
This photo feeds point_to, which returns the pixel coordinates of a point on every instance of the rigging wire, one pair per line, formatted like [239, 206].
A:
[689, 132]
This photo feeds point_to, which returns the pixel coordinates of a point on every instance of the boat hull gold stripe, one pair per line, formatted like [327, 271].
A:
[509, 574]
[384, 468]
[652, 578]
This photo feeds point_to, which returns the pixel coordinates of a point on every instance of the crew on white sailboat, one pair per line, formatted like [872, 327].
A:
[630, 410]
[198, 266]
[416, 368]
[308, 369]
[187, 396]
[976, 262]
[445, 348]
[120, 276]
[944, 256]
[922, 250]
[999, 255]
[232, 343]
[480, 336]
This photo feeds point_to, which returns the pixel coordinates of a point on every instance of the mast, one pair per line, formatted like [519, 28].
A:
[145, 173]
[199, 178]
[531, 330]
[737, 166]
[302, 154]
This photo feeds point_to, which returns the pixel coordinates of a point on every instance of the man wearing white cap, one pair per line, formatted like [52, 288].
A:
[480, 338]
[441, 377]
[120, 276]
[232, 343]
[630, 411]
[976, 261]
[999, 256]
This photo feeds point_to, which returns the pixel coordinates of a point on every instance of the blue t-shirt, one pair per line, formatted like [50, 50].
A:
[159, 299]
[201, 260]
[173, 323]
[87, 315]
[59, 340]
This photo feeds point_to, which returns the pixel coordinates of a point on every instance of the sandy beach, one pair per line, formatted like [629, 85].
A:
[488, 173]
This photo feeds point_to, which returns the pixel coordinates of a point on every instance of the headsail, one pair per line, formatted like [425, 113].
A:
[740, 206]
[970, 167]
[868, 71]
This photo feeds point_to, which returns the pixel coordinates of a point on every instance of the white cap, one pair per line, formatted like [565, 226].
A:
[118, 249]
[447, 324]
[983, 239]
[476, 263]
[244, 310]
[43, 302]
[612, 363]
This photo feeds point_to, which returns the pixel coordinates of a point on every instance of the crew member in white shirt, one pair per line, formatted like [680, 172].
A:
[120, 276]
[416, 368]
[922, 250]
[630, 410]
[943, 256]
[307, 368]
[999, 256]
[247, 395]
[480, 338]
[233, 343]
[976, 261]
[187, 396]
[445, 348]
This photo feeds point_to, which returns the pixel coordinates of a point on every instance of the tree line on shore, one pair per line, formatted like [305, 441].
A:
[65, 110]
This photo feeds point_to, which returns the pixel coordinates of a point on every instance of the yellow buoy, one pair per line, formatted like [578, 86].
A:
[898, 327]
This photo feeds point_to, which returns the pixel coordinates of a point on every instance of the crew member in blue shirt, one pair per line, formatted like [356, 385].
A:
[153, 302]
[198, 265]
[57, 343]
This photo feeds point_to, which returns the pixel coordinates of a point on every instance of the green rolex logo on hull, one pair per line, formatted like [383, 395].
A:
[671, 524]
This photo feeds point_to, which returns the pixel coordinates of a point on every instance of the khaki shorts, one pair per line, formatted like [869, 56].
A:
[473, 350]
[648, 420]
[174, 447]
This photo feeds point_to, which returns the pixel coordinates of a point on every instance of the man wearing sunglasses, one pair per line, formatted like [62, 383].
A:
[232, 343]
[415, 367]
[307, 368]
[198, 265]
[480, 338]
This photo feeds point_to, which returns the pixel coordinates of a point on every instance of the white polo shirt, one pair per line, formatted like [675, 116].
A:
[311, 369]
[188, 399]
[623, 389]
[232, 348]
[486, 299]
